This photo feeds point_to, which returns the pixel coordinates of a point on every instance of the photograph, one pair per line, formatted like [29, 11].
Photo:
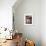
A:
[28, 19]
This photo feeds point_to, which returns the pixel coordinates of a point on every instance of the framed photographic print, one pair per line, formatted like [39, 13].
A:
[28, 19]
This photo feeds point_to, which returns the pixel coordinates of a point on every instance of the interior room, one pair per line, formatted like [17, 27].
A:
[22, 22]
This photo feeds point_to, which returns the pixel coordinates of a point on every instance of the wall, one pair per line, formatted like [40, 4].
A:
[43, 22]
[29, 31]
[6, 13]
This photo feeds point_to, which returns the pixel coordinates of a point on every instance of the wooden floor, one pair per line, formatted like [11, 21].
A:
[9, 43]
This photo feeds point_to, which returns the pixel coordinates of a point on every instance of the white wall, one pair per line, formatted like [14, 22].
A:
[30, 31]
[43, 22]
[6, 13]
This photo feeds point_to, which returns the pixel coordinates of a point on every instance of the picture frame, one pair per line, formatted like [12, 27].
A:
[28, 19]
